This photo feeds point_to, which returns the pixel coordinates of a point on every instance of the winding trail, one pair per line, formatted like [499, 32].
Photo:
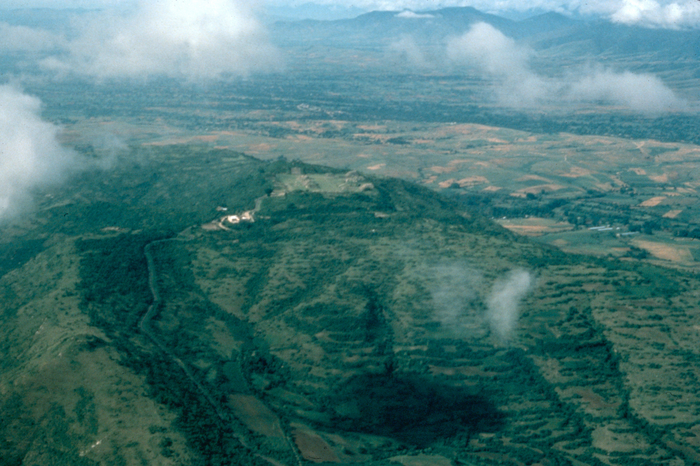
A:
[145, 328]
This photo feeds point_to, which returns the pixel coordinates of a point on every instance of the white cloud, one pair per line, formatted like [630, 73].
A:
[30, 154]
[490, 49]
[192, 39]
[61, 4]
[408, 14]
[454, 290]
[651, 13]
[638, 92]
[515, 84]
[504, 301]
[499, 57]
[25, 39]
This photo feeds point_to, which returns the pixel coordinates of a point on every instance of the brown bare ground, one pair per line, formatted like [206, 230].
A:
[533, 178]
[638, 171]
[577, 172]
[263, 147]
[527, 230]
[472, 180]
[672, 213]
[379, 166]
[605, 186]
[468, 129]
[447, 183]
[660, 178]
[503, 148]
[372, 127]
[653, 202]
[594, 400]
[535, 226]
[459, 162]
[469, 181]
[421, 460]
[665, 251]
[256, 416]
[492, 189]
[438, 169]
[314, 448]
[167, 142]
[527, 139]
[211, 226]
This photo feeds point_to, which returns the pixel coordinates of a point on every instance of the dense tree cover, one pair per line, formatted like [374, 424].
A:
[15, 254]
[114, 280]
[320, 239]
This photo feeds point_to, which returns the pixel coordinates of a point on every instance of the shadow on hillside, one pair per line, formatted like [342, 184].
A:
[412, 409]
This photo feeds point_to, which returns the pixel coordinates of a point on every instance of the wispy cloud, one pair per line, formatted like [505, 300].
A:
[498, 57]
[407, 50]
[504, 302]
[459, 299]
[455, 289]
[639, 92]
[190, 39]
[30, 154]
[25, 39]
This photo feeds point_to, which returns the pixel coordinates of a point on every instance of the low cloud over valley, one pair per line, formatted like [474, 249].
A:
[182, 39]
[30, 153]
[488, 52]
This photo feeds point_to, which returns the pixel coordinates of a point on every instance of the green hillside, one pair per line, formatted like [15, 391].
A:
[199, 306]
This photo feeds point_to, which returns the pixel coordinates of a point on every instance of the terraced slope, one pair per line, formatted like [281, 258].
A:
[348, 319]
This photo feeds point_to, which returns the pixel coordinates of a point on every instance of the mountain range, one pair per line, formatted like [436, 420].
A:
[548, 31]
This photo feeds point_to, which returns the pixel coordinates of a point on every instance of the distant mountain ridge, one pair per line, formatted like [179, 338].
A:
[545, 31]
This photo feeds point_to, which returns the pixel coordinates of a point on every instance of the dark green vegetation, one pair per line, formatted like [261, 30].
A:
[346, 323]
